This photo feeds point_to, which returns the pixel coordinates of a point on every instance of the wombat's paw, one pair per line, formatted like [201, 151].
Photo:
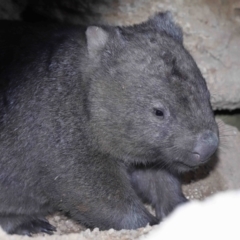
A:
[164, 209]
[34, 226]
[138, 218]
[154, 221]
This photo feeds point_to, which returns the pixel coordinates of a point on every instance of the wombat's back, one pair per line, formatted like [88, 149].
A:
[40, 99]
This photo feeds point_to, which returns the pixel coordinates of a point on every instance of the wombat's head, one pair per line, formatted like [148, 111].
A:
[148, 100]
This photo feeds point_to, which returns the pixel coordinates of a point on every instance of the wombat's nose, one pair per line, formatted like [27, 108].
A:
[206, 145]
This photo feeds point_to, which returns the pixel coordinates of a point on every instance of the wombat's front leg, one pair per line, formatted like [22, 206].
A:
[102, 196]
[25, 224]
[159, 188]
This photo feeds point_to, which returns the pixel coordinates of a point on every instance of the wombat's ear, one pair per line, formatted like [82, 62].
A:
[164, 22]
[96, 40]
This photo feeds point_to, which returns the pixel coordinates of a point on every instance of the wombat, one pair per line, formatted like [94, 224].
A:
[97, 120]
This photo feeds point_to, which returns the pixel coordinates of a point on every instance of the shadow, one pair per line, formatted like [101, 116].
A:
[71, 11]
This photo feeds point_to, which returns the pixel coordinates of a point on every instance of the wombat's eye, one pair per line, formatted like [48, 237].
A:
[159, 112]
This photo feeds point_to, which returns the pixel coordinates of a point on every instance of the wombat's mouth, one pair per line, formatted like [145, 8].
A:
[184, 167]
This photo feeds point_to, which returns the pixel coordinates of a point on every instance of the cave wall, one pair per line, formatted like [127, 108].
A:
[211, 31]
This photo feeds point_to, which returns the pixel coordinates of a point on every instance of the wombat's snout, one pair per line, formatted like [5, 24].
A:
[206, 145]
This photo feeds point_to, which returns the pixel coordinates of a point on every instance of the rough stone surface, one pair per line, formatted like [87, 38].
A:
[12, 9]
[215, 218]
[212, 31]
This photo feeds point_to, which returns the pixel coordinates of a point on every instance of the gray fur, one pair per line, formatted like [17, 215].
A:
[78, 120]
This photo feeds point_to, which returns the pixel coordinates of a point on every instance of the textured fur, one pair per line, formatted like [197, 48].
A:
[79, 131]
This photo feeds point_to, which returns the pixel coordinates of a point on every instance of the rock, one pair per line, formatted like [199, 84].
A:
[212, 31]
[11, 10]
[215, 218]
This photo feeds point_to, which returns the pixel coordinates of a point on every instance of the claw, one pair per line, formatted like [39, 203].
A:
[35, 226]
